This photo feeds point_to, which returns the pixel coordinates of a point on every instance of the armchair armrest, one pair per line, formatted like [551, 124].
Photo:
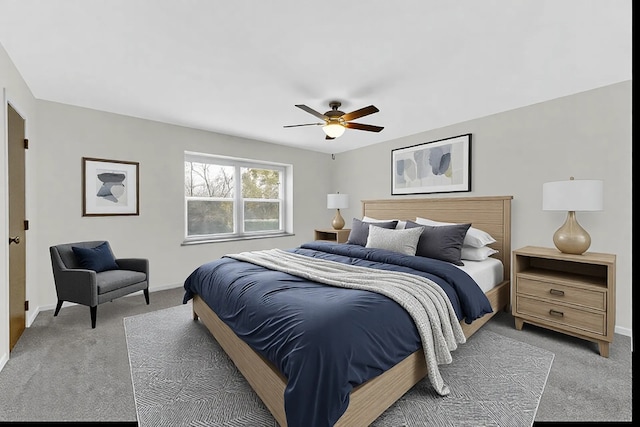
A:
[134, 264]
[77, 285]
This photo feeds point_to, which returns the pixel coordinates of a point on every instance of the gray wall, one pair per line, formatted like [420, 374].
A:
[587, 135]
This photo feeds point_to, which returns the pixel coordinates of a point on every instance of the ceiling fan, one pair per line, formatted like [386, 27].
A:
[335, 121]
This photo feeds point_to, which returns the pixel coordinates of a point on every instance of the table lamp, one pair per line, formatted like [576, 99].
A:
[571, 196]
[337, 201]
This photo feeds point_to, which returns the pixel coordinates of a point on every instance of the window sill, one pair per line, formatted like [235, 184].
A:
[234, 239]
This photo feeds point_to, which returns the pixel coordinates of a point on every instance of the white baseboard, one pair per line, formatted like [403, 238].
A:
[34, 313]
[165, 287]
[622, 331]
[3, 360]
[32, 317]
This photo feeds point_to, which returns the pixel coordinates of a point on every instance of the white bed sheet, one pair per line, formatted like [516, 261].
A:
[487, 274]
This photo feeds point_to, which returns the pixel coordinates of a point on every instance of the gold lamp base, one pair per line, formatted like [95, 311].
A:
[338, 221]
[571, 238]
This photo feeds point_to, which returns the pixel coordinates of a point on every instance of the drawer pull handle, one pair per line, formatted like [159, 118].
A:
[556, 292]
[556, 313]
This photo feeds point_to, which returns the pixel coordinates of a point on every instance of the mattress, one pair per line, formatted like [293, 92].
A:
[487, 274]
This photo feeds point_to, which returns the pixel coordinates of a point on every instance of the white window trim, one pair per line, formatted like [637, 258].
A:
[286, 205]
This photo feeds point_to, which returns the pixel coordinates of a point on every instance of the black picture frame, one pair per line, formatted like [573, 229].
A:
[441, 166]
[110, 187]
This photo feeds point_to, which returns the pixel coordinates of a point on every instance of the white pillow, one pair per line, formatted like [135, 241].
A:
[403, 241]
[399, 226]
[475, 237]
[476, 254]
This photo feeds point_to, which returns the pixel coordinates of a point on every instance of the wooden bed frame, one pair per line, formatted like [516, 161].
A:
[369, 400]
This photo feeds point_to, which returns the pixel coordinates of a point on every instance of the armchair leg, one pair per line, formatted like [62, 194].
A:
[58, 307]
[94, 311]
[146, 295]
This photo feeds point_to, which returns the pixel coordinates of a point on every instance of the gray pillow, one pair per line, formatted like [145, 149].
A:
[441, 242]
[404, 241]
[360, 230]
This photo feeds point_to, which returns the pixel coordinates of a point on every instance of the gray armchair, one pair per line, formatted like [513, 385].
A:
[76, 283]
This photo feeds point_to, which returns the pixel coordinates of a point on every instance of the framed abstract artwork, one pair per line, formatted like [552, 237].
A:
[109, 187]
[442, 166]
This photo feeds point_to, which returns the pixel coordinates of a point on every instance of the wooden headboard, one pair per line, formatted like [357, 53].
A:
[489, 213]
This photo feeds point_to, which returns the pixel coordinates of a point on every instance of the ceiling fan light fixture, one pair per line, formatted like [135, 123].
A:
[333, 130]
[334, 122]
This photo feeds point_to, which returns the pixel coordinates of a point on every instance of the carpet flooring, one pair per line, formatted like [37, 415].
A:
[181, 377]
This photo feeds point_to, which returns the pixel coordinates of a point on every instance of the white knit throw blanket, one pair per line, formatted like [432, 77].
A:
[423, 299]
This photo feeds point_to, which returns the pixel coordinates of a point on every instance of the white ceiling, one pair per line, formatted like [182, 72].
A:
[239, 67]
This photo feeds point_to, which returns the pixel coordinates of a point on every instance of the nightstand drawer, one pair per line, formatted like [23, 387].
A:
[574, 318]
[561, 293]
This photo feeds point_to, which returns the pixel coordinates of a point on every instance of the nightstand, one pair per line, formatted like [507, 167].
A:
[572, 294]
[331, 235]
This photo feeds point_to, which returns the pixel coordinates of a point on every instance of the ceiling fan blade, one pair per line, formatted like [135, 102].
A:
[360, 113]
[312, 111]
[360, 126]
[306, 124]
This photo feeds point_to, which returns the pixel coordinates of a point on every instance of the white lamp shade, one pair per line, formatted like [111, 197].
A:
[573, 195]
[337, 201]
[333, 130]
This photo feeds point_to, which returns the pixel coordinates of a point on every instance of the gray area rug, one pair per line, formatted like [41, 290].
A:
[181, 377]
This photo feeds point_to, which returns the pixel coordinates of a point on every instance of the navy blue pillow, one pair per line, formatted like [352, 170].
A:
[360, 230]
[97, 259]
[442, 242]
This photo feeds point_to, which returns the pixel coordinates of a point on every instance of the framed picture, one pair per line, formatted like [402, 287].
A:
[109, 187]
[442, 166]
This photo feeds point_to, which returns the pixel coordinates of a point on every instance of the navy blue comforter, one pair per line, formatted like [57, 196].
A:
[325, 340]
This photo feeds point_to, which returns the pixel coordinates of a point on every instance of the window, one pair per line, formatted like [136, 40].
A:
[228, 198]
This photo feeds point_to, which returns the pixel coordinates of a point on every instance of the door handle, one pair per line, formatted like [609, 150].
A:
[15, 240]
